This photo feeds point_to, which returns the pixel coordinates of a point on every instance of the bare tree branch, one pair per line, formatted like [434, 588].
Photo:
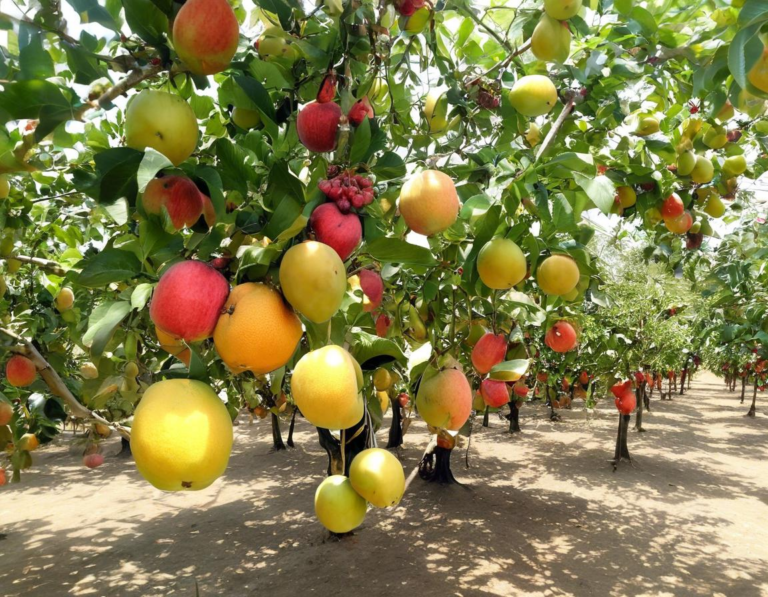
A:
[46, 264]
[556, 127]
[57, 385]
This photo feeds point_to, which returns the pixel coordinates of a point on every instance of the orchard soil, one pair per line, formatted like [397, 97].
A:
[542, 513]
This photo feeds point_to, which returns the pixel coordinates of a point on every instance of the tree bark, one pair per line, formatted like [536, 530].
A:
[485, 416]
[640, 406]
[277, 436]
[622, 449]
[435, 466]
[395, 439]
[752, 409]
[290, 428]
[514, 417]
[743, 388]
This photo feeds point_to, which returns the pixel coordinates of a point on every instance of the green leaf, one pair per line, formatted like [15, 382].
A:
[746, 48]
[394, 250]
[140, 296]
[753, 11]
[599, 189]
[34, 61]
[389, 166]
[281, 8]
[371, 351]
[108, 266]
[82, 64]
[35, 99]
[234, 165]
[117, 170]
[504, 371]
[102, 325]
[152, 162]
[146, 20]
[257, 93]
[361, 142]
[645, 20]
[91, 12]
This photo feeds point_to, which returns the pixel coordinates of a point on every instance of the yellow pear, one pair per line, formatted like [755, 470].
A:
[377, 475]
[163, 121]
[313, 280]
[533, 95]
[326, 389]
[562, 9]
[646, 125]
[551, 40]
[181, 436]
[627, 196]
[501, 264]
[758, 74]
[338, 507]
[558, 275]
[703, 172]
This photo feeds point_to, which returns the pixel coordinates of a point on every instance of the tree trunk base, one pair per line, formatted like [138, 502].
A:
[395, 439]
[622, 449]
[290, 429]
[277, 437]
[125, 449]
[514, 418]
[435, 467]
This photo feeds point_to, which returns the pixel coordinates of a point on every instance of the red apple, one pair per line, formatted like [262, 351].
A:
[327, 89]
[20, 371]
[382, 325]
[205, 35]
[494, 393]
[489, 351]
[179, 195]
[188, 300]
[318, 124]
[359, 110]
[342, 232]
[672, 207]
[625, 397]
[373, 288]
[561, 337]
[93, 460]
[520, 389]
[403, 399]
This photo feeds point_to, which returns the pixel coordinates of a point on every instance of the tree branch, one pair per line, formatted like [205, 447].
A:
[556, 127]
[510, 57]
[46, 264]
[56, 384]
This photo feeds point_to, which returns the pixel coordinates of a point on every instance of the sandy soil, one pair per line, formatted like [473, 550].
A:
[543, 514]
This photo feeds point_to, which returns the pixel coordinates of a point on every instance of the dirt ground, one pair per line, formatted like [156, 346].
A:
[542, 514]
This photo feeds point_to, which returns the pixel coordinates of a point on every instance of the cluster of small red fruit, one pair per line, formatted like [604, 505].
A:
[347, 189]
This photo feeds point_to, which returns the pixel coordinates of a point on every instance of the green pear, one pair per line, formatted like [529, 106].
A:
[735, 165]
[714, 207]
[686, 163]
[646, 125]
[716, 137]
[703, 172]
[551, 40]
[562, 10]
[245, 118]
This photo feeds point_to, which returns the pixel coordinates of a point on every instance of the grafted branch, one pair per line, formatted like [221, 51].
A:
[56, 384]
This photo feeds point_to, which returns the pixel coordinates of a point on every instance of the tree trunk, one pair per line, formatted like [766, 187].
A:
[290, 428]
[752, 410]
[622, 449]
[485, 416]
[640, 405]
[553, 416]
[743, 388]
[125, 449]
[514, 417]
[277, 437]
[396, 427]
[356, 439]
[646, 397]
[435, 467]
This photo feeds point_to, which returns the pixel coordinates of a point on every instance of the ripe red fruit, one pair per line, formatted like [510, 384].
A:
[639, 377]
[625, 397]
[93, 460]
[648, 186]
[584, 378]
[561, 337]
[520, 389]
[342, 232]
[187, 301]
[179, 195]
[672, 207]
[373, 288]
[403, 399]
[6, 413]
[382, 325]
[359, 110]
[327, 89]
[221, 263]
[20, 371]
[734, 135]
[494, 393]
[489, 351]
[317, 126]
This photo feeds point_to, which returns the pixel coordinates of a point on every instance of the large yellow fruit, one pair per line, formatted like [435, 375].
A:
[501, 264]
[758, 74]
[162, 121]
[181, 436]
[338, 507]
[313, 280]
[257, 331]
[551, 40]
[533, 95]
[558, 275]
[627, 196]
[29, 442]
[429, 202]
[562, 9]
[715, 207]
[378, 477]
[703, 172]
[445, 400]
[326, 388]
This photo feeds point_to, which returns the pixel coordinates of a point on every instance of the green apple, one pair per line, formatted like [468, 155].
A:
[686, 162]
[716, 137]
[735, 165]
[245, 118]
[703, 172]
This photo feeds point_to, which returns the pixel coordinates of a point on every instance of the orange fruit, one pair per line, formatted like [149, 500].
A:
[173, 346]
[257, 331]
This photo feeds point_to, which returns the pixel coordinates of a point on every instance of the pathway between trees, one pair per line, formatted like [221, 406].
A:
[544, 515]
